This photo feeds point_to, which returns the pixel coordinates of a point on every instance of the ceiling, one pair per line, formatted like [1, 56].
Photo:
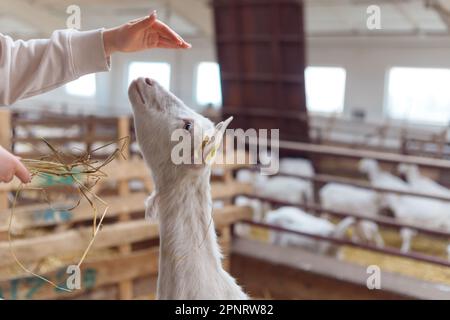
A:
[193, 18]
[31, 18]
[337, 17]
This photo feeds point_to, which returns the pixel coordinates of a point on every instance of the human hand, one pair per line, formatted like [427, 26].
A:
[11, 166]
[140, 34]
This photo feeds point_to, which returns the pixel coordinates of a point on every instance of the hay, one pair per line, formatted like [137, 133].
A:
[423, 243]
[53, 263]
[420, 243]
[399, 265]
[74, 169]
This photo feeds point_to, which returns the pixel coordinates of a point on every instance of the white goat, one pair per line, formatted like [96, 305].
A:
[420, 212]
[381, 179]
[300, 167]
[420, 183]
[259, 209]
[190, 259]
[250, 176]
[412, 210]
[296, 166]
[299, 220]
[289, 189]
[362, 202]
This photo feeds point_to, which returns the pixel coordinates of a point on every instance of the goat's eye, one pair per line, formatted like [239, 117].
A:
[187, 126]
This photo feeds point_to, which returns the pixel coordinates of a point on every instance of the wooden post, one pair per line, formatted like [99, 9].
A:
[123, 130]
[5, 142]
[90, 132]
[442, 141]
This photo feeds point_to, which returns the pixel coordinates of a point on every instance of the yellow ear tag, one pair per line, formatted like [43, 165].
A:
[205, 141]
[211, 154]
[217, 135]
[198, 152]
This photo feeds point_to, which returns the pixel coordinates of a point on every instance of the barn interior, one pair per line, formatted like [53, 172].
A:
[353, 95]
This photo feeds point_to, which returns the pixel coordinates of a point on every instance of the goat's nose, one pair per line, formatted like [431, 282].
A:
[149, 82]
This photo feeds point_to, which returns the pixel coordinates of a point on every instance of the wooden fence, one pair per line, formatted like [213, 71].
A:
[123, 262]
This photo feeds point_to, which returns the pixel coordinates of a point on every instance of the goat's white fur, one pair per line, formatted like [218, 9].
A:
[345, 198]
[296, 219]
[190, 259]
[417, 211]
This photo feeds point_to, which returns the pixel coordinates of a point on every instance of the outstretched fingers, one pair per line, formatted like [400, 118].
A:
[165, 31]
[170, 37]
[167, 44]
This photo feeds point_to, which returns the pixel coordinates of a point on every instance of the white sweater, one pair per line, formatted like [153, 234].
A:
[28, 68]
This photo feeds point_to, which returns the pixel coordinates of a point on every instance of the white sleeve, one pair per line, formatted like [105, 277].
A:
[28, 68]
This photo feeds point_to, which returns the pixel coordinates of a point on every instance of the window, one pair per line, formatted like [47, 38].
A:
[209, 90]
[160, 71]
[325, 89]
[419, 95]
[83, 86]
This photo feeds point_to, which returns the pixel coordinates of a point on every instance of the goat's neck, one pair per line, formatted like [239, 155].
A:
[188, 241]
[373, 174]
[413, 175]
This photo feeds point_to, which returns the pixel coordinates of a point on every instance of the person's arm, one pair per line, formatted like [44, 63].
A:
[28, 68]
[31, 67]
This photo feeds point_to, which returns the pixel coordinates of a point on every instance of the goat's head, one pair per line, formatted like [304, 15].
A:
[408, 170]
[167, 128]
[368, 166]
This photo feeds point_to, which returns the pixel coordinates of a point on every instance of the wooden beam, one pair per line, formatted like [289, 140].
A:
[119, 170]
[123, 130]
[76, 240]
[325, 178]
[441, 11]
[116, 171]
[360, 154]
[96, 272]
[230, 214]
[5, 128]
[32, 216]
[220, 190]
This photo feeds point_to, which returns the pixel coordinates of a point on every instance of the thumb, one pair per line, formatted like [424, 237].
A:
[147, 21]
[22, 172]
[153, 17]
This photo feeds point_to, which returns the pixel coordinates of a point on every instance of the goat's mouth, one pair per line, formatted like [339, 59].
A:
[138, 92]
[140, 86]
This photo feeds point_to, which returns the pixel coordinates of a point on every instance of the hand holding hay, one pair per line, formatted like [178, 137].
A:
[12, 166]
[60, 165]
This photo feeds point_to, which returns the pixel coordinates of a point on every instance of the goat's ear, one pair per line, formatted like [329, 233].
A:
[151, 207]
[222, 126]
[216, 140]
